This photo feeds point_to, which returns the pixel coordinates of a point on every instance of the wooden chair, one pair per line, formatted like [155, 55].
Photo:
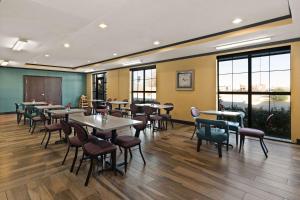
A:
[214, 131]
[49, 129]
[93, 149]
[127, 141]
[256, 133]
[167, 117]
[19, 112]
[195, 112]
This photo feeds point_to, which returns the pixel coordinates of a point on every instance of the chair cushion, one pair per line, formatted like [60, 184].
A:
[127, 141]
[37, 119]
[74, 141]
[97, 147]
[53, 127]
[105, 135]
[251, 132]
[217, 134]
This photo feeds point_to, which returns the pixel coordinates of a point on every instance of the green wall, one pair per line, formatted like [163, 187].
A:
[11, 86]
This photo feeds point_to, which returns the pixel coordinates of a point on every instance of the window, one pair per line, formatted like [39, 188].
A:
[144, 84]
[99, 86]
[258, 83]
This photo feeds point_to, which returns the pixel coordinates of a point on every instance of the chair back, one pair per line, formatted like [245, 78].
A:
[168, 110]
[116, 113]
[209, 124]
[81, 133]
[269, 121]
[109, 99]
[67, 129]
[148, 110]
[17, 107]
[43, 117]
[29, 111]
[133, 108]
[94, 104]
[125, 104]
[69, 105]
[88, 111]
[140, 127]
[195, 112]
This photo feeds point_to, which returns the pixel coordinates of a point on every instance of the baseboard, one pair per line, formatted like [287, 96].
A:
[6, 113]
[183, 122]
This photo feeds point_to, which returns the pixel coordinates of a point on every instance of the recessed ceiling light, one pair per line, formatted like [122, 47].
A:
[242, 43]
[89, 70]
[102, 25]
[156, 42]
[47, 55]
[237, 21]
[88, 61]
[115, 54]
[19, 45]
[134, 62]
[4, 62]
[66, 45]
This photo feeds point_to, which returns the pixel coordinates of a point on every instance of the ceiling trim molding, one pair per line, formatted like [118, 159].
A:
[208, 54]
[42, 65]
[54, 70]
[285, 17]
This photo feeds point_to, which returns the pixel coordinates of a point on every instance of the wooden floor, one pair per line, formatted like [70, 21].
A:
[174, 169]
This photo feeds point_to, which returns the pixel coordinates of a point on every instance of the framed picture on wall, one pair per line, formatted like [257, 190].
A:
[185, 80]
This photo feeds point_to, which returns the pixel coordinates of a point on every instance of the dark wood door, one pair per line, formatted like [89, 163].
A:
[42, 88]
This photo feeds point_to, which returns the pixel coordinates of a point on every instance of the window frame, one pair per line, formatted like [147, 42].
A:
[144, 92]
[249, 55]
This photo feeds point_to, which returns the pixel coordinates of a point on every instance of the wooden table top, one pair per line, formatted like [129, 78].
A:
[118, 102]
[99, 122]
[34, 103]
[48, 107]
[157, 106]
[221, 113]
[66, 111]
[96, 100]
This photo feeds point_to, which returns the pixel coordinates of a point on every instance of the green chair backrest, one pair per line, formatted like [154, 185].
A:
[209, 124]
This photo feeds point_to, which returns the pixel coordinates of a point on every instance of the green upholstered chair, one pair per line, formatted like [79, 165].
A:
[214, 131]
[29, 113]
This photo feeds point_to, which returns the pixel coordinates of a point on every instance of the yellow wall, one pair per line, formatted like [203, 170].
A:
[204, 93]
[295, 90]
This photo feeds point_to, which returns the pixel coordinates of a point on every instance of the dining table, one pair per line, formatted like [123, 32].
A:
[48, 107]
[33, 103]
[65, 112]
[225, 113]
[158, 107]
[106, 123]
[119, 103]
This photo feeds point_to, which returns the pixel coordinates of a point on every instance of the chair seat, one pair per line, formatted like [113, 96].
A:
[251, 132]
[53, 127]
[127, 141]
[217, 135]
[37, 119]
[74, 141]
[156, 117]
[105, 135]
[98, 147]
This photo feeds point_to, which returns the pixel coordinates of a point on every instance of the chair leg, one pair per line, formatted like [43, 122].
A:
[237, 138]
[74, 159]
[194, 132]
[130, 153]
[49, 135]
[63, 162]
[220, 150]
[262, 146]
[120, 149]
[125, 159]
[33, 127]
[89, 173]
[265, 146]
[44, 137]
[241, 142]
[172, 123]
[80, 164]
[199, 143]
[142, 154]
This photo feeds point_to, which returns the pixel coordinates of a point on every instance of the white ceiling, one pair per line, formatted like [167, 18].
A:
[133, 26]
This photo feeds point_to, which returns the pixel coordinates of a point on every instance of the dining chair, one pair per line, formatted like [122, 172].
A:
[134, 110]
[167, 117]
[93, 149]
[127, 141]
[88, 111]
[29, 113]
[195, 112]
[215, 131]
[49, 129]
[19, 112]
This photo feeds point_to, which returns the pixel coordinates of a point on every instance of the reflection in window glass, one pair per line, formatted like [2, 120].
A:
[240, 65]
[225, 67]
[260, 64]
[280, 62]
[240, 82]
[280, 81]
[225, 82]
[260, 81]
